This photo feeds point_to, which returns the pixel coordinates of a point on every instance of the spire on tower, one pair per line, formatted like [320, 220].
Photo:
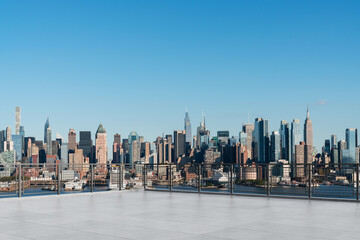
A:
[308, 114]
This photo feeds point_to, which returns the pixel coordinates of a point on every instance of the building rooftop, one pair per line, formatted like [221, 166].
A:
[164, 215]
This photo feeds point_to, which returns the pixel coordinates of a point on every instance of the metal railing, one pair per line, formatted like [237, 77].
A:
[310, 181]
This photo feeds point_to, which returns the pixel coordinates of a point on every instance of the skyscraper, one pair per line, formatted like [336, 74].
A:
[275, 146]
[308, 130]
[295, 137]
[101, 153]
[285, 136]
[17, 120]
[187, 128]
[203, 135]
[248, 129]
[261, 141]
[48, 141]
[349, 154]
[72, 145]
[47, 124]
[303, 156]
[116, 148]
[333, 141]
[179, 144]
[134, 147]
[86, 144]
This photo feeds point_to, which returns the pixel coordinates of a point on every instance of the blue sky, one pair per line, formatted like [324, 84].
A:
[136, 65]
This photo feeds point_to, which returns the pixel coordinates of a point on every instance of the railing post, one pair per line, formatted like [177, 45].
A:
[310, 179]
[120, 177]
[58, 179]
[357, 182]
[92, 178]
[170, 176]
[144, 176]
[231, 178]
[19, 179]
[268, 179]
[199, 178]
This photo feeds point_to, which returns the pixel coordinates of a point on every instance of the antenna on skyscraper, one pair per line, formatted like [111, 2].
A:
[248, 116]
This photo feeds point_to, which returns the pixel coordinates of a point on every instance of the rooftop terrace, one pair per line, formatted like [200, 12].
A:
[165, 215]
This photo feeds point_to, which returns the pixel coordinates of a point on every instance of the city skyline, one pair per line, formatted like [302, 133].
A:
[213, 132]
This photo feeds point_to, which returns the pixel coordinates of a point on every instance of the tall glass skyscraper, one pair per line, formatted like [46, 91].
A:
[261, 141]
[275, 146]
[47, 124]
[18, 146]
[285, 140]
[295, 138]
[187, 127]
[134, 147]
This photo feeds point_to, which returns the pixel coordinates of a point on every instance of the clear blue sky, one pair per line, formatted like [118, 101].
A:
[136, 65]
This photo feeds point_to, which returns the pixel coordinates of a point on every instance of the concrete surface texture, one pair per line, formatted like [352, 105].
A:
[164, 215]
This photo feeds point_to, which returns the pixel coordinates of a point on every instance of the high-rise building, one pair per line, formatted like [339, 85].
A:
[275, 146]
[243, 138]
[47, 124]
[18, 146]
[295, 138]
[101, 151]
[2, 140]
[64, 160]
[333, 141]
[341, 147]
[179, 144]
[349, 155]
[241, 153]
[168, 149]
[223, 136]
[86, 144]
[187, 127]
[261, 141]
[327, 147]
[134, 147]
[17, 120]
[248, 129]
[303, 156]
[72, 140]
[285, 136]
[308, 130]
[203, 135]
[117, 148]
[48, 141]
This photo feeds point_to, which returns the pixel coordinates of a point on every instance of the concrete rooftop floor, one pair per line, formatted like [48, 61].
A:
[163, 215]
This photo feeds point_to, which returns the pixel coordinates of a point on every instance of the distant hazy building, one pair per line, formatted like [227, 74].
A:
[295, 138]
[17, 120]
[187, 127]
[101, 153]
